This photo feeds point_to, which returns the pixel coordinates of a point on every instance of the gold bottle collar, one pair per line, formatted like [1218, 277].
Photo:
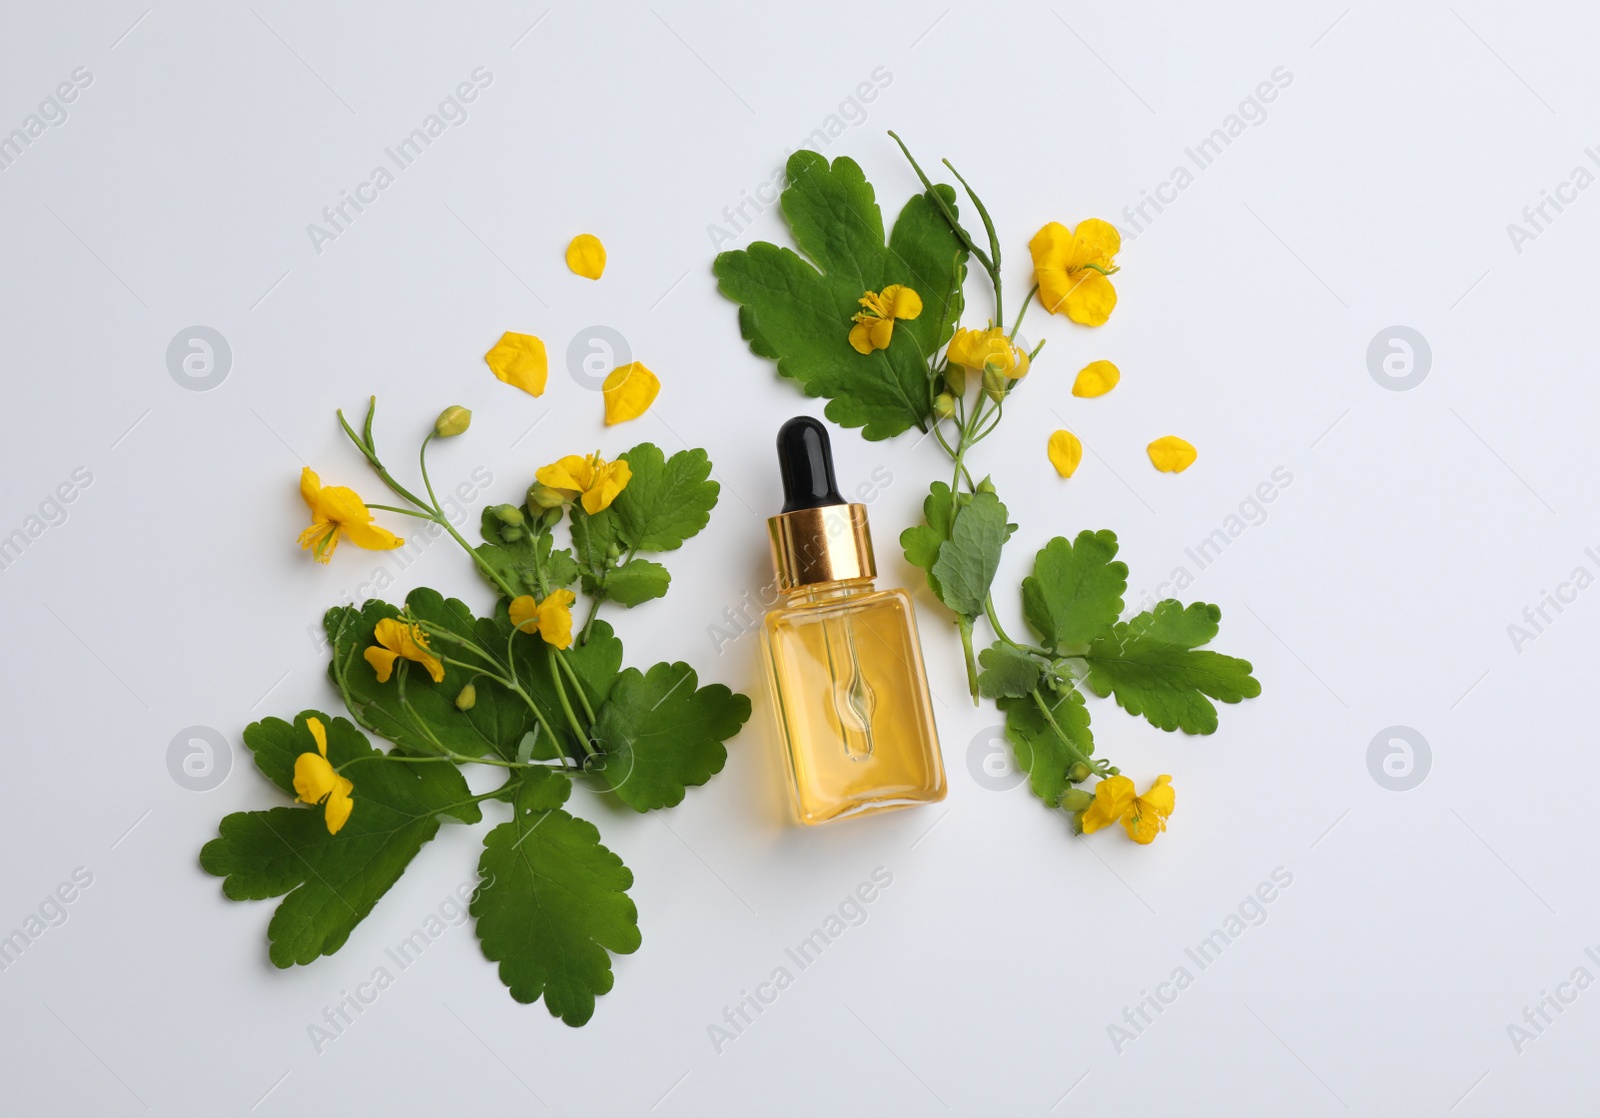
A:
[827, 544]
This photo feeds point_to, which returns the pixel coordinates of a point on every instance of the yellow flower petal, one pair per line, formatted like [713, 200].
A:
[520, 361]
[1096, 379]
[555, 618]
[586, 256]
[901, 301]
[525, 613]
[1100, 238]
[629, 391]
[861, 337]
[406, 641]
[1171, 455]
[1146, 817]
[571, 473]
[382, 661]
[337, 813]
[1065, 452]
[314, 778]
[610, 480]
[318, 734]
[310, 486]
[336, 510]
[1090, 299]
[1112, 798]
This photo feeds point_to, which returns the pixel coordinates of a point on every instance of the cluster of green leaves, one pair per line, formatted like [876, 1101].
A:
[791, 306]
[797, 313]
[552, 905]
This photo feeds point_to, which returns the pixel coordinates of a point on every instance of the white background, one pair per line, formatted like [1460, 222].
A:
[1377, 592]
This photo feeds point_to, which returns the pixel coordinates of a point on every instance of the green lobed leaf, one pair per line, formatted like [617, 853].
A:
[596, 662]
[921, 542]
[332, 881]
[412, 711]
[1155, 667]
[1008, 671]
[666, 500]
[554, 902]
[1075, 592]
[636, 581]
[1039, 749]
[800, 315]
[969, 558]
[660, 734]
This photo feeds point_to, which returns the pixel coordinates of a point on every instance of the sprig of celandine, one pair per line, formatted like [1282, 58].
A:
[905, 368]
[516, 691]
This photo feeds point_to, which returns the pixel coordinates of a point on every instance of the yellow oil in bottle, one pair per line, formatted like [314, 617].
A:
[852, 702]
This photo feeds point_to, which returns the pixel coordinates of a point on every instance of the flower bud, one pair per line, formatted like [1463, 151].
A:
[986, 486]
[1079, 773]
[542, 496]
[944, 406]
[467, 699]
[955, 379]
[1075, 799]
[509, 515]
[549, 518]
[994, 384]
[511, 535]
[452, 421]
[613, 553]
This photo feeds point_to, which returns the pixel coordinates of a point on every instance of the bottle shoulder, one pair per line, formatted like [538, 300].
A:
[869, 599]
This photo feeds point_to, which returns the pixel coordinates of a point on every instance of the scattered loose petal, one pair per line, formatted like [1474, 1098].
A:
[520, 361]
[1065, 452]
[987, 351]
[396, 641]
[1172, 455]
[1096, 379]
[337, 511]
[874, 323]
[586, 256]
[1071, 266]
[550, 618]
[629, 391]
[592, 478]
[315, 782]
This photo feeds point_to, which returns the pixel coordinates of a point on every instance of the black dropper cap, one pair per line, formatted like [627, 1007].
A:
[805, 460]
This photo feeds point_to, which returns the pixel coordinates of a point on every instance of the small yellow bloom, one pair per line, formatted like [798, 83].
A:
[1065, 452]
[315, 782]
[1066, 264]
[988, 351]
[593, 478]
[1096, 379]
[551, 618]
[586, 256]
[1143, 817]
[397, 640]
[520, 361]
[1171, 455]
[336, 510]
[629, 391]
[874, 323]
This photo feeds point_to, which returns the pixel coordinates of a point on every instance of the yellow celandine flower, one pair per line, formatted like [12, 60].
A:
[1065, 263]
[1171, 455]
[520, 361]
[988, 350]
[315, 782]
[1143, 817]
[1096, 379]
[593, 478]
[551, 618]
[874, 323]
[586, 256]
[629, 391]
[396, 641]
[336, 510]
[1065, 452]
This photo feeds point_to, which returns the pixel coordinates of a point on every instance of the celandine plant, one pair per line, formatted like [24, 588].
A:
[873, 327]
[517, 692]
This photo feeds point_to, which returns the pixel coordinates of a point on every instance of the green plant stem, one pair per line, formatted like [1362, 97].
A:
[965, 625]
[577, 686]
[566, 705]
[1023, 310]
[401, 511]
[1072, 749]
